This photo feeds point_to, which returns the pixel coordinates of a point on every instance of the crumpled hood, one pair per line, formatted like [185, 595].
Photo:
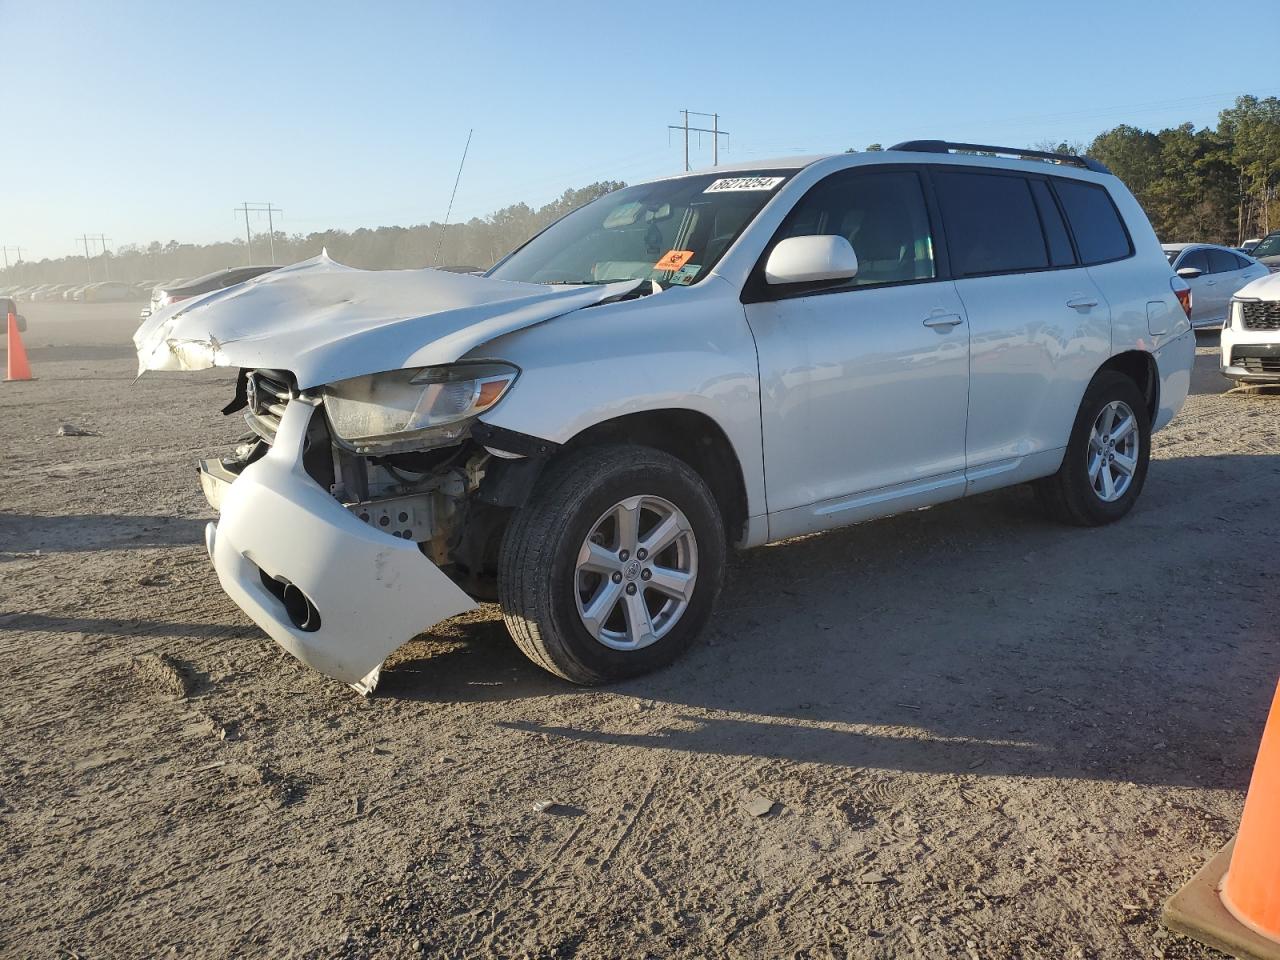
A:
[325, 321]
[1264, 288]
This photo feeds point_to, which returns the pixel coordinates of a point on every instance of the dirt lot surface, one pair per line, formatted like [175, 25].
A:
[977, 734]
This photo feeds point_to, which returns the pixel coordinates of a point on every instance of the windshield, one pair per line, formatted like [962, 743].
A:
[1270, 247]
[672, 231]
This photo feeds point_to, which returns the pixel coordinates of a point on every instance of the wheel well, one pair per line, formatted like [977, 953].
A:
[692, 437]
[1140, 367]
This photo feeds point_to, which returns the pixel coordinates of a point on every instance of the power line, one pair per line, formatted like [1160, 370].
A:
[270, 210]
[715, 131]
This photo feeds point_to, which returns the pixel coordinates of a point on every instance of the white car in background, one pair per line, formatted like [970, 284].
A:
[726, 358]
[1214, 274]
[1251, 335]
[107, 291]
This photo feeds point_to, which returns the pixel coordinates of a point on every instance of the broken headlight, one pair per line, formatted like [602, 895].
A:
[411, 409]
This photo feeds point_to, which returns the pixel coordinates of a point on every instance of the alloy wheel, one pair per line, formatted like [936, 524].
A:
[636, 572]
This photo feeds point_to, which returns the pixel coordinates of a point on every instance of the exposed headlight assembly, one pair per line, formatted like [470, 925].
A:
[412, 409]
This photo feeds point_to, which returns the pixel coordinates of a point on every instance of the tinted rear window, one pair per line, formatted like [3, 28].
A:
[1099, 232]
[1055, 231]
[1197, 260]
[1223, 261]
[991, 223]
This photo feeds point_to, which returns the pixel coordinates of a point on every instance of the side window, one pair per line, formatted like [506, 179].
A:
[991, 222]
[1197, 259]
[1055, 231]
[1241, 262]
[1100, 234]
[883, 215]
[1222, 261]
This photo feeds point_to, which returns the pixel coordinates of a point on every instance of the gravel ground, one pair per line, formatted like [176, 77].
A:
[975, 733]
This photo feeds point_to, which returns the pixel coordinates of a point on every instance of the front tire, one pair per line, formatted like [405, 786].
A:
[614, 566]
[1105, 464]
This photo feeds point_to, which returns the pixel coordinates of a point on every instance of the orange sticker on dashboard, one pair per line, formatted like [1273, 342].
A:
[673, 260]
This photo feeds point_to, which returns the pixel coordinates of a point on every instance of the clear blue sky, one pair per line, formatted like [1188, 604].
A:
[151, 120]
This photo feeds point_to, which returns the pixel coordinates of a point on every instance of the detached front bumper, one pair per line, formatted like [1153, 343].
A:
[333, 591]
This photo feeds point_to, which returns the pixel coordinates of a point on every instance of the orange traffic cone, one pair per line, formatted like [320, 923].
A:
[1233, 903]
[19, 368]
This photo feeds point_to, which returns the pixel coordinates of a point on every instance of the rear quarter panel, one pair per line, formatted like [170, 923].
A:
[1145, 313]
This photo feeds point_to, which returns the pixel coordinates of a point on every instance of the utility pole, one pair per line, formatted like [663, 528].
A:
[106, 261]
[6, 256]
[271, 231]
[248, 237]
[88, 267]
[715, 131]
[247, 208]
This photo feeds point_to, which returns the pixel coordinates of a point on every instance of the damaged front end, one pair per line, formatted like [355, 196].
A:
[370, 494]
[353, 519]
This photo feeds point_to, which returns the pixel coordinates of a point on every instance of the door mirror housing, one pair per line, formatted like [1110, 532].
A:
[1189, 273]
[811, 259]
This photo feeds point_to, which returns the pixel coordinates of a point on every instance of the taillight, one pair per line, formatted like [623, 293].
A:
[1182, 290]
[169, 298]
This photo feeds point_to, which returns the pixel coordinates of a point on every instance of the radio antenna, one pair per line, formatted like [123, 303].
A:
[448, 213]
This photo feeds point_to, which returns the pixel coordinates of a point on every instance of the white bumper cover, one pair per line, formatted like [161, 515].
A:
[372, 591]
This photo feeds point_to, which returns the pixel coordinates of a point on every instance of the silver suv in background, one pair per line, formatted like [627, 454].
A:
[717, 359]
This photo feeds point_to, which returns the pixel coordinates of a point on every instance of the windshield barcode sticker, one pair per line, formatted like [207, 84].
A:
[744, 183]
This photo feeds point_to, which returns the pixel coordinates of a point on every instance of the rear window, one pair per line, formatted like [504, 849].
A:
[991, 223]
[1223, 261]
[1055, 231]
[1099, 232]
[1196, 260]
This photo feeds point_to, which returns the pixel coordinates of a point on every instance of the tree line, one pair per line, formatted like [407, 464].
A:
[478, 242]
[1216, 184]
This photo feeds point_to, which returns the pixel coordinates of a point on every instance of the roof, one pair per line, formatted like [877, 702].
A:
[1031, 162]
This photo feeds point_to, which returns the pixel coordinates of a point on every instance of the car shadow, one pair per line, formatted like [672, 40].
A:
[938, 641]
[25, 533]
[44, 623]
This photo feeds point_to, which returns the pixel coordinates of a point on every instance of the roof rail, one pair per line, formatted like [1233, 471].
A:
[946, 146]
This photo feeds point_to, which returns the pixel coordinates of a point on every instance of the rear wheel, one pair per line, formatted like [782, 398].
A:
[614, 566]
[1105, 464]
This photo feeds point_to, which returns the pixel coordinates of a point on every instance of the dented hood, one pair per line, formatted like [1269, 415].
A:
[325, 321]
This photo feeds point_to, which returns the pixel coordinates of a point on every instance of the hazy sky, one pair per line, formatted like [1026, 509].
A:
[151, 121]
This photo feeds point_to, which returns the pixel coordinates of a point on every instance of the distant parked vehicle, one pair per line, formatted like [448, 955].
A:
[1267, 252]
[176, 292]
[108, 291]
[53, 292]
[30, 293]
[1251, 334]
[1248, 245]
[7, 306]
[73, 293]
[1214, 274]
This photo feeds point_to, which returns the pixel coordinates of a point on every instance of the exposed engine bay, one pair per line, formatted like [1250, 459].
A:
[452, 501]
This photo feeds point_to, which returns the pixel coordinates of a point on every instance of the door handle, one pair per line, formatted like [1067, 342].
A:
[1210, 283]
[1082, 302]
[946, 320]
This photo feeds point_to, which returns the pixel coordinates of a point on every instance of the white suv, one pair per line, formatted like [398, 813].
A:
[1251, 333]
[716, 359]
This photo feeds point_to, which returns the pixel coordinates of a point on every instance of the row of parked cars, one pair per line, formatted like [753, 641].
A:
[102, 291]
[157, 293]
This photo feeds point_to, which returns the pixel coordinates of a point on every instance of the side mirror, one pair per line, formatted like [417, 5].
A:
[1189, 273]
[808, 259]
